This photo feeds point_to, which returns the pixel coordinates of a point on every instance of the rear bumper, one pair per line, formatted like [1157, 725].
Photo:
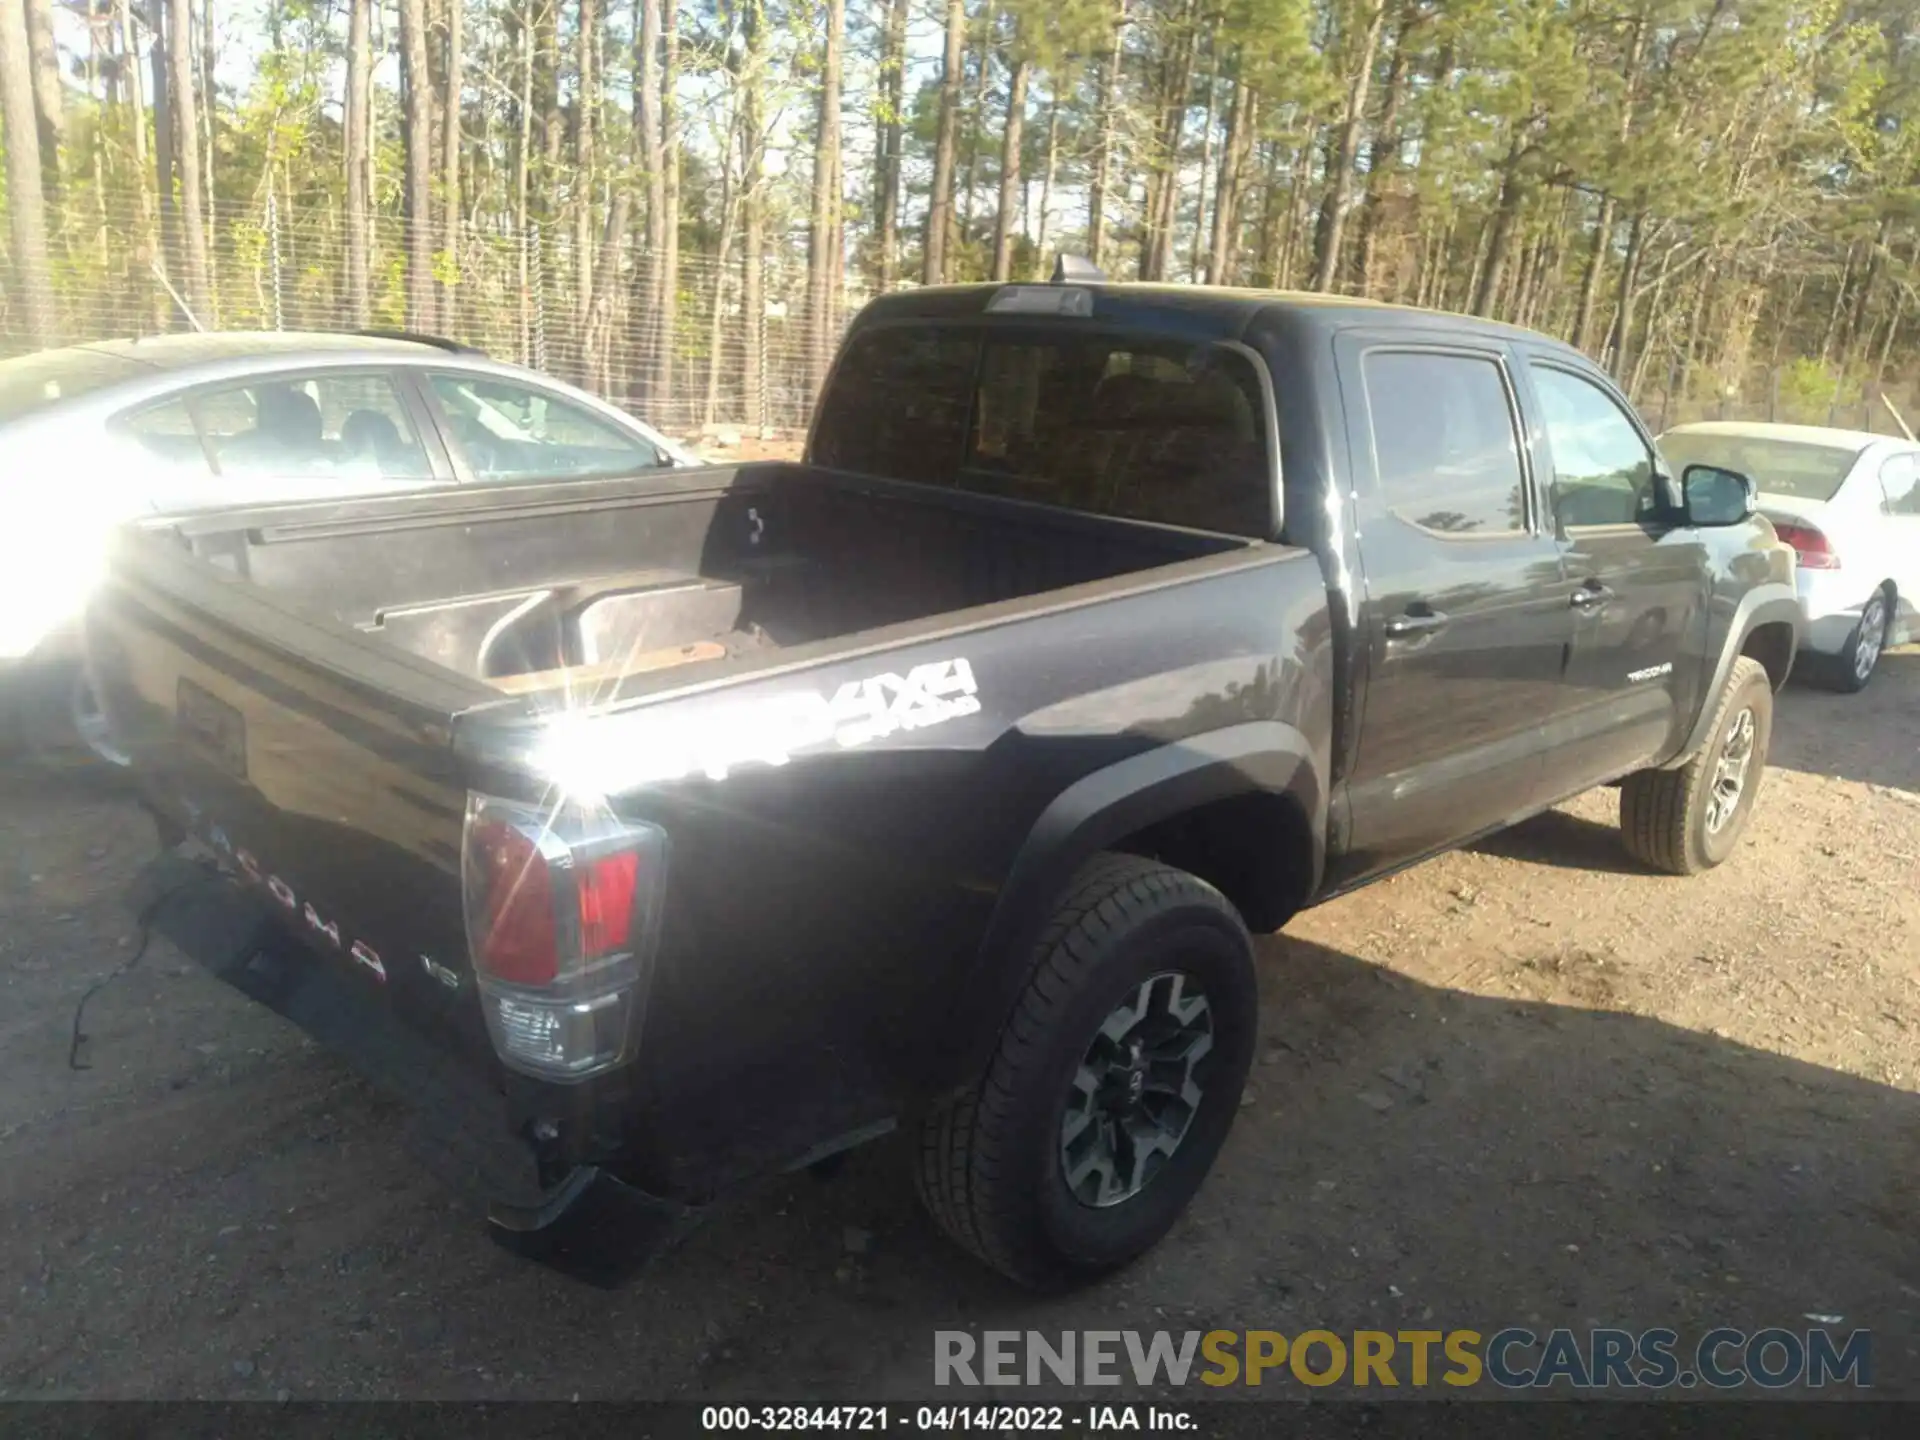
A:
[1830, 601]
[589, 1222]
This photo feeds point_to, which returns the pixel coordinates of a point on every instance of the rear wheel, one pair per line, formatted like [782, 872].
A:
[60, 719]
[1687, 820]
[1850, 671]
[1113, 1085]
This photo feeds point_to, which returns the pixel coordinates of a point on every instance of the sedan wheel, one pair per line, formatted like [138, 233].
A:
[1870, 637]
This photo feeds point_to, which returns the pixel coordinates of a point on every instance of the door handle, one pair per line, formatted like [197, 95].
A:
[1591, 594]
[1402, 627]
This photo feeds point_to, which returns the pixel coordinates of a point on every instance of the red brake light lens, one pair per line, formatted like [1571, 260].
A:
[517, 943]
[607, 887]
[1811, 548]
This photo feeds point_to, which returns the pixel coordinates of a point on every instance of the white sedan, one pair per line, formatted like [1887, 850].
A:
[96, 434]
[1848, 502]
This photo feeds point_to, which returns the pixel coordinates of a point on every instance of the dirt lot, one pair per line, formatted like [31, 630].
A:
[1524, 1084]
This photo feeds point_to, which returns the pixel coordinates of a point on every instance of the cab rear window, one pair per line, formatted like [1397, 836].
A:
[1115, 424]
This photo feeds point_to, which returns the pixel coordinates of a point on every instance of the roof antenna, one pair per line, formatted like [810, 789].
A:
[161, 276]
[1076, 270]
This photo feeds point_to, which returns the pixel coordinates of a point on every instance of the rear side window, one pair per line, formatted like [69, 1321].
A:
[349, 432]
[1150, 429]
[167, 436]
[1444, 443]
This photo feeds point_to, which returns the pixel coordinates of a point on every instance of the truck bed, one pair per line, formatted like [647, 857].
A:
[581, 588]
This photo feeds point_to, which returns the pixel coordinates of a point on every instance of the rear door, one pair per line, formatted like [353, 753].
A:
[1639, 583]
[1465, 618]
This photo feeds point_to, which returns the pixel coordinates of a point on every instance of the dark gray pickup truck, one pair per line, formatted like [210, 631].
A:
[650, 834]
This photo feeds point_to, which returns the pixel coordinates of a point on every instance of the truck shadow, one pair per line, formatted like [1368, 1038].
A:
[1568, 842]
[1408, 1155]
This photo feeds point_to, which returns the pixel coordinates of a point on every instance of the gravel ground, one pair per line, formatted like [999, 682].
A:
[1523, 1084]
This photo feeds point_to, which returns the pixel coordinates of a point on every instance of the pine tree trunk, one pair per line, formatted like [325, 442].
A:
[171, 262]
[1011, 136]
[977, 117]
[48, 101]
[360, 160]
[1383, 155]
[136, 123]
[1223, 254]
[651, 162]
[186, 149]
[416, 96]
[1655, 311]
[823, 244]
[1500, 238]
[1333, 209]
[1046, 186]
[753, 223]
[1266, 261]
[209, 108]
[1590, 282]
[1603, 227]
[1107, 96]
[522, 175]
[670, 257]
[1619, 342]
[890, 132]
[1839, 305]
[585, 101]
[26, 202]
[1197, 258]
[450, 164]
[940, 202]
[1163, 180]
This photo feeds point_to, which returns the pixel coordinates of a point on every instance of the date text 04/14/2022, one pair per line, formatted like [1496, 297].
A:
[933, 1419]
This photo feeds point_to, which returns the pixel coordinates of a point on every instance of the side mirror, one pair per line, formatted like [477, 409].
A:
[1717, 497]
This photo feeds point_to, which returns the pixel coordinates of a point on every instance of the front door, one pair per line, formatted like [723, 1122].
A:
[1900, 522]
[1466, 616]
[1640, 586]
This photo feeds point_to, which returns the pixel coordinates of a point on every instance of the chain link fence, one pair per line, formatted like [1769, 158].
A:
[540, 296]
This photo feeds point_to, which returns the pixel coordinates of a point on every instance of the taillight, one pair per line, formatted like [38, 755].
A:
[562, 909]
[515, 937]
[1811, 548]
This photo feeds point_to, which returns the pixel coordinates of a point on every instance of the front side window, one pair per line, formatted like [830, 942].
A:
[1900, 485]
[512, 433]
[1444, 442]
[1602, 469]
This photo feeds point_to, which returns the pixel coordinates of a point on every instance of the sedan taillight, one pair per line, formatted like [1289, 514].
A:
[562, 912]
[1811, 548]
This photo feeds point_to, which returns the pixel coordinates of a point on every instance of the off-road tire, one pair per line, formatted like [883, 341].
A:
[1664, 813]
[989, 1167]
